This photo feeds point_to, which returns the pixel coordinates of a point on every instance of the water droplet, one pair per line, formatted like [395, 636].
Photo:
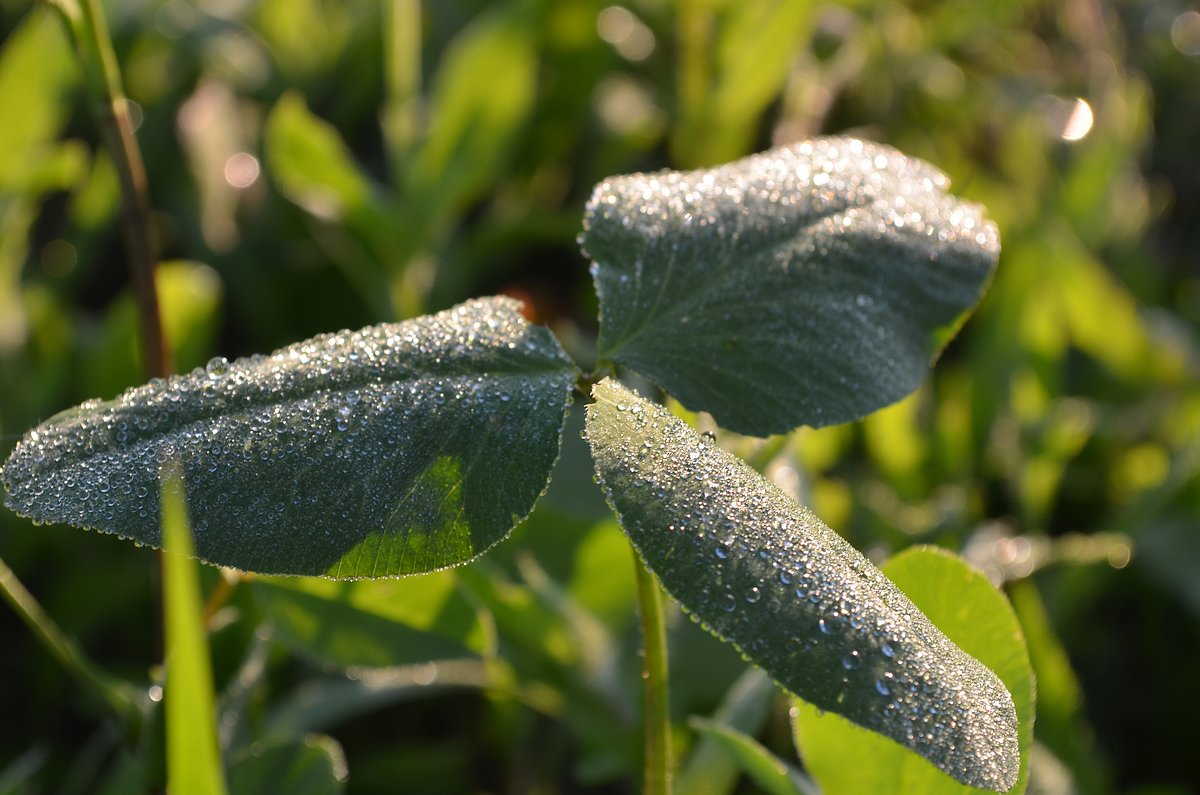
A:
[824, 627]
[217, 367]
[881, 685]
[851, 660]
[721, 551]
[709, 437]
[754, 595]
[887, 650]
[728, 603]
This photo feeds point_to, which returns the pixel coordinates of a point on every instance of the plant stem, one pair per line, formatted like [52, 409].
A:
[89, 32]
[59, 644]
[657, 717]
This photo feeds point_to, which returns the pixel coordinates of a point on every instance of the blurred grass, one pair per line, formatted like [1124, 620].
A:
[299, 185]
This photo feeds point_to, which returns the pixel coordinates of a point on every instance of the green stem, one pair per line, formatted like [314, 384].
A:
[89, 33]
[657, 717]
[72, 658]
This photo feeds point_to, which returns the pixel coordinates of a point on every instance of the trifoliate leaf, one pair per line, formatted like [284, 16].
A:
[765, 574]
[808, 285]
[396, 449]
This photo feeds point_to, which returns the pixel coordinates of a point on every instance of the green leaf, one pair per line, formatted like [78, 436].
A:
[755, 51]
[396, 449]
[765, 574]
[37, 73]
[745, 708]
[371, 623]
[961, 601]
[482, 95]
[811, 284]
[769, 772]
[315, 169]
[314, 766]
[193, 762]
[311, 164]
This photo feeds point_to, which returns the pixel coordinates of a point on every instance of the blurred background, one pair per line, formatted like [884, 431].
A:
[322, 165]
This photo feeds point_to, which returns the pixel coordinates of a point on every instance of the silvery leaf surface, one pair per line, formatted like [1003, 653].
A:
[396, 449]
[766, 575]
[807, 285]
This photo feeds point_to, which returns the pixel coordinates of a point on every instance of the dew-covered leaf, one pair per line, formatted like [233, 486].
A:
[765, 574]
[980, 620]
[808, 285]
[396, 449]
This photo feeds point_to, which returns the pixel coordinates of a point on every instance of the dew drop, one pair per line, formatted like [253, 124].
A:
[824, 627]
[887, 650]
[217, 367]
[753, 595]
[722, 551]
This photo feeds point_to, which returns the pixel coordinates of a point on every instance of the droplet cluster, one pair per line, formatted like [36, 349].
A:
[393, 449]
[765, 574]
[809, 284]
